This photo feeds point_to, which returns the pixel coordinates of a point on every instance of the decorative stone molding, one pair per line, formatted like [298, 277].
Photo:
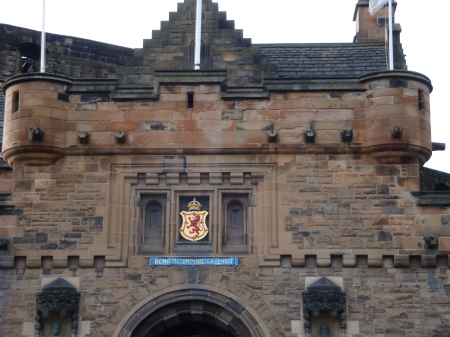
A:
[236, 317]
[378, 258]
[178, 176]
[434, 198]
[59, 296]
[324, 295]
[35, 77]
[189, 76]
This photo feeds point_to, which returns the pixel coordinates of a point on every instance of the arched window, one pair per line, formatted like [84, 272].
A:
[235, 224]
[153, 223]
[235, 234]
[189, 55]
[202, 51]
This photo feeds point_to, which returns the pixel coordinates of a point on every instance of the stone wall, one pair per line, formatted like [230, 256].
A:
[66, 55]
[344, 210]
[326, 171]
[381, 301]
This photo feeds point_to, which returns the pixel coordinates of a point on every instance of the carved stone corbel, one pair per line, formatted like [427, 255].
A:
[61, 297]
[324, 295]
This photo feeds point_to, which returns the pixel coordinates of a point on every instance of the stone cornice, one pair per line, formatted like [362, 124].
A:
[397, 74]
[190, 76]
[36, 77]
[105, 85]
[313, 84]
[436, 198]
[97, 85]
[134, 93]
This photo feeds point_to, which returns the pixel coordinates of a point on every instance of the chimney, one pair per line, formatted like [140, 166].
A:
[371, 28]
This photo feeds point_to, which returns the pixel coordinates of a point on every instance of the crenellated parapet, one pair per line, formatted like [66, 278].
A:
[384, 114]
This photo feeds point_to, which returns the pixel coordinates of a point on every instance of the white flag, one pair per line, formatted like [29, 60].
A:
[375, 5]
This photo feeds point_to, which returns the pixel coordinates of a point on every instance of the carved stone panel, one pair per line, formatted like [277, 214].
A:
[60, 298]
[324, 295]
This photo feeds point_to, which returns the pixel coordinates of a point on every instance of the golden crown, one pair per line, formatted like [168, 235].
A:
[194, 205]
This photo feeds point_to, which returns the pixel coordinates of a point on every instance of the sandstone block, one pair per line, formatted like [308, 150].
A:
[444, 243]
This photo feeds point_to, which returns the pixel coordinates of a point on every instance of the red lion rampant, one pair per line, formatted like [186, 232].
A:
[194, 228]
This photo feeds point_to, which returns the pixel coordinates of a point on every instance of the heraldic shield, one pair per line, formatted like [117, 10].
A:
[194, 222]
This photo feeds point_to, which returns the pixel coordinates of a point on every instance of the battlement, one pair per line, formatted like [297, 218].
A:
[386, 115]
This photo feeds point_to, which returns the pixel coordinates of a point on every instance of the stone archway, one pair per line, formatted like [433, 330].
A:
[192, 311]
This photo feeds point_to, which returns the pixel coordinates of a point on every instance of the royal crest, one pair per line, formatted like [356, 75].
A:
[194, 222]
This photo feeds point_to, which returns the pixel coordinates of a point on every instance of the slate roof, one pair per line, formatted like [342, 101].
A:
[433, 180]
[325, 59]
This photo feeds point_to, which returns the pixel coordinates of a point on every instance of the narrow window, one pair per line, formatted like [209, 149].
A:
[235, 217]
[192, 52]
[15, 101]
[154, 218]
[152, 232]
[235, 222]
[421, 98]
[235, 239]
[190, 101]
[153, 228]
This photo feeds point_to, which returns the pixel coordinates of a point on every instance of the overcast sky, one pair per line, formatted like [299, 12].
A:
[127, 23]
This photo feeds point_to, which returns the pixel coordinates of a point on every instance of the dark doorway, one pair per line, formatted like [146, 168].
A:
[191, 319]
[193, 329]
[193, 311]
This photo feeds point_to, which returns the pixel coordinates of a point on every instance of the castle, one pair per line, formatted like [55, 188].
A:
[277, 191]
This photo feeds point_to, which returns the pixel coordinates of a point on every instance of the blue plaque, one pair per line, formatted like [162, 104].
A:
[194, 261]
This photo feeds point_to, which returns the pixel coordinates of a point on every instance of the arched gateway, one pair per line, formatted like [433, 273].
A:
[192, 311]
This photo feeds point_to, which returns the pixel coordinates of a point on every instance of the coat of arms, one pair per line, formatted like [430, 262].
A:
[194, 222]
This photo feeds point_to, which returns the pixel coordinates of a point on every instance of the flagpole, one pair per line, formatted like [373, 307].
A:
[391, 38]
[198, 35]
[43, 41]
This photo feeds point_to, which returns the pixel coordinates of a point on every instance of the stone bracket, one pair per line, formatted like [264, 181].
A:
[61, 297]
[324, 295]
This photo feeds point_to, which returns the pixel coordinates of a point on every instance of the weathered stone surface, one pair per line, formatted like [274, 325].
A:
[349, 212]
